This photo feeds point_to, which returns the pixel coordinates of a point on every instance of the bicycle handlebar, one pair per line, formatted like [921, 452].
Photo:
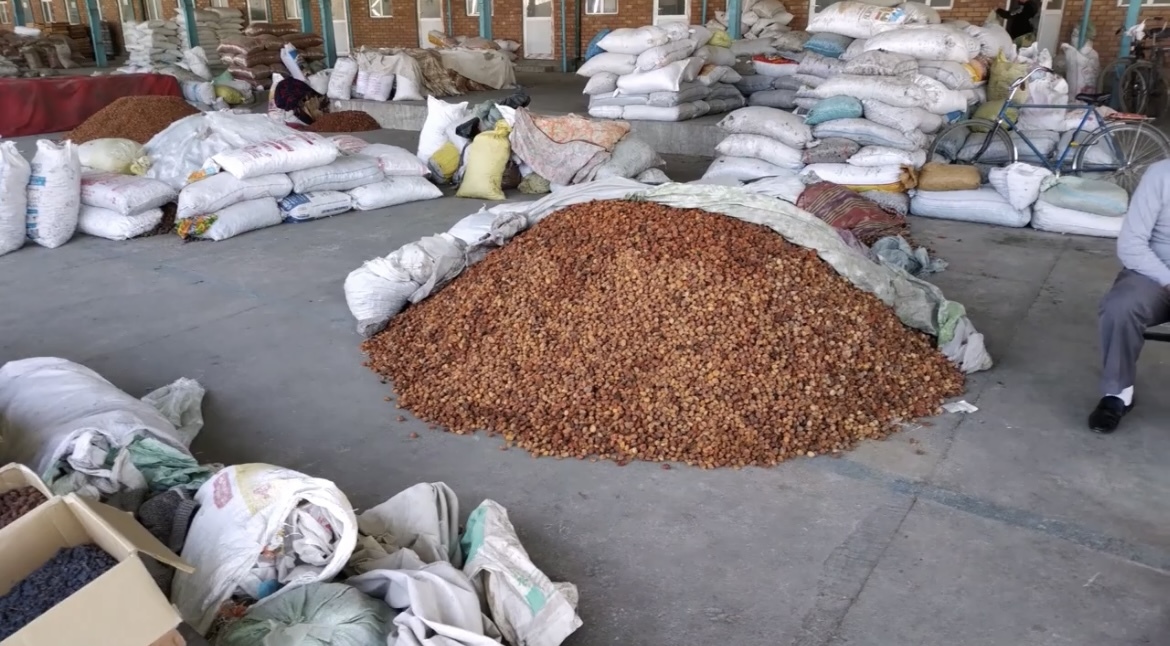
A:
[1024, 79]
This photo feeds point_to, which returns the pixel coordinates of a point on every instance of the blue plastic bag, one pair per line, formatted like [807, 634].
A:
[831, 45]
[593, 49]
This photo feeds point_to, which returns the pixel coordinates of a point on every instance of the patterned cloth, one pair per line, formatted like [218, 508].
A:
[846, 210]
[570, 128]
[559, 163]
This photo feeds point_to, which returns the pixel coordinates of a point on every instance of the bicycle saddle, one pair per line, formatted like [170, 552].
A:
[1093, 98]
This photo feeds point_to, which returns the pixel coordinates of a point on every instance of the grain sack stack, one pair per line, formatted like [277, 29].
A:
[252, 59]
[206, 29]
[761, 19]
[761, 142]
[660, 74]
[152, 45]
[231, 23]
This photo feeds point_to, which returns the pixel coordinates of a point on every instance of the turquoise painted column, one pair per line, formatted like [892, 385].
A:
[564, 42]
[327, 32]
[188, 9]
[306, 8]
[95, 30]
[18, 12]
[1131, 18]
[734, 13]
[485, 19]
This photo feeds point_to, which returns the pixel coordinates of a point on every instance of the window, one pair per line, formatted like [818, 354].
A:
[944, 5]
[292, 9]
[672, 7]
[473, 7]
[71, 12]
[5, 17]
[381, 9]
[222, 4]
[1146, 3]
[154, 10]
[257, 11]
[538, 9]
[600, 7]
[47, 10]
[126, 11]
[817, 6]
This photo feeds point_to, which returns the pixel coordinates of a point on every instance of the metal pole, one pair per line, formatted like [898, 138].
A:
[485, 19]
[564, 42]
[327, 32]
[306, 8]
[450, 20]
[18, 12]
[734, 13]
[580, 57]
[704, 22]
[1131, 18]
[95, 31]
[188, 9]
[1081, 35]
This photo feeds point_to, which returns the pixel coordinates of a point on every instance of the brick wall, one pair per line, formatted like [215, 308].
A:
[399, 31]
[1107, 17]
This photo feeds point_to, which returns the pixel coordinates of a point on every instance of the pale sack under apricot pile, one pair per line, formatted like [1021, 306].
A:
[628, 330]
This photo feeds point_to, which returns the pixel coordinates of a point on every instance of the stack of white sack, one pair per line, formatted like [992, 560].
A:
[761, 143]
[151, 45]
[378, 77]
[120, 207]
[231, 22]
[759, 20]
[666, 73]
[242, 186]
[1089, 207]
[206, 29]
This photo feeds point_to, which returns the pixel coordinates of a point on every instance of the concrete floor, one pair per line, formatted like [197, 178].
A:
[1015, 526]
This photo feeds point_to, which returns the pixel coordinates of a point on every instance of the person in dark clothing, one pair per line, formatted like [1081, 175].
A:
[1019, 19]
[304, 102]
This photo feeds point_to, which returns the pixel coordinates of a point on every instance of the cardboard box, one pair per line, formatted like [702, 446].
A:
[122, 607]
[14, 476]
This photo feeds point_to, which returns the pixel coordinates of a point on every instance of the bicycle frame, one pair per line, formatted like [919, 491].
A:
[1004, 118]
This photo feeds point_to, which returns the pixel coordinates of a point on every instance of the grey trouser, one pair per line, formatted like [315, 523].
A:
[1133, 304]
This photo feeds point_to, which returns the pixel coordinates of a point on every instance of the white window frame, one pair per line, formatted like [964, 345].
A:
[473, 7]
[945, 5]
[292, 9]
[589, 8]
[1146, 3]
[154, 9]
[6, 17]
[387, 4]
[47, 10]
[263, 4]
[72, 13]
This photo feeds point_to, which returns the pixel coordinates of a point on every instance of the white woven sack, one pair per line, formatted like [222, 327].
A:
[880, 63]
[916, 12]
[301, 207]
[633, 41]
[743, 169]
[350, 171]
[712, 74]
[851, 175]
[856, 19]
[1018, 183]
[939, 99]
[243, 217]
[440, 115]
[780, 99]
[665, 79]
[894, 90]
[993, 39]
[855, 49]
[54, 194]
[784, 127]
[631, 157]
[867, 133]
[341, 80]
[813, 64]
[601, 83]
[981, 205]
[124, 194]
[774, 69]
[663, 55]
[759, 147]
[14, 175]
[782, 187]
[871, 156]
[212, 194]
[608, 62]
[954, 75]
[681, 112]
[395, 161]
[930, 42]
[752, 47]
[904, 119]
[112, 225]
[393, 191]
[1049, 217]
[406, 88]
[768, 8]
[284, 155]
[716, 55]
[606, 112]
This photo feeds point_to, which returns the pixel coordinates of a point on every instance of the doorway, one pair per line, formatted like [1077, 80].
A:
[1048, 25]
[538, 29]
[672, 11]
[340, 10]
[430, 18]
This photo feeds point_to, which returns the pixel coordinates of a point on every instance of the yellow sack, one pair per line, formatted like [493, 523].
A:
[487, 157]
[990, 111]
[229, 94]
[720, 39]
[1003, 74]
[948, 177]
[445, 162]
[906, 181]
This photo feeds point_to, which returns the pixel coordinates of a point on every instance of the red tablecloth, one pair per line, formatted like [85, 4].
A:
[39, 106]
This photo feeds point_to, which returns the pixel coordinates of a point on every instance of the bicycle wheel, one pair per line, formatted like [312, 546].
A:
[1134, 87]
[1110, 76]
[965, 142]
[1121, 153]
[1156, 106]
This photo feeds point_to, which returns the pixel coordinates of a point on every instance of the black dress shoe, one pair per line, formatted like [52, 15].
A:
[1107, 416]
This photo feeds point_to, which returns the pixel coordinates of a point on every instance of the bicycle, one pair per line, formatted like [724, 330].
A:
[1121, 148]
[1138, 83]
